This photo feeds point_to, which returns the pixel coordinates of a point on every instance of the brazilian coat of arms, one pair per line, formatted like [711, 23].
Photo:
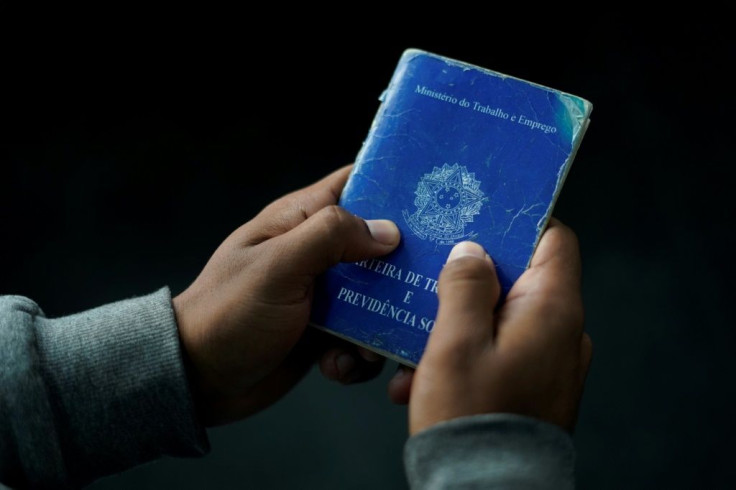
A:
[446, 200]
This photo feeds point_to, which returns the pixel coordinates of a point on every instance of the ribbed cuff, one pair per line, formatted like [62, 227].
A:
[491, 451]
[119, 390]
[29, 446]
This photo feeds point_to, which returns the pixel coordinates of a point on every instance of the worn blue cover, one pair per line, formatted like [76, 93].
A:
[455, 152]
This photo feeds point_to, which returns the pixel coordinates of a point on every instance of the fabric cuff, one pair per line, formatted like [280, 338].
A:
[491, 451]
[121, 395]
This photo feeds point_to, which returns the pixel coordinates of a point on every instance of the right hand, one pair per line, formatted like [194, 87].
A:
[529, 357]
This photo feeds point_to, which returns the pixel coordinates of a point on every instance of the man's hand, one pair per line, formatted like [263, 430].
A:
[242, 322]
[528, 357]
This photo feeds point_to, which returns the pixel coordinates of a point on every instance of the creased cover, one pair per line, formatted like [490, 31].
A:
[455, 152]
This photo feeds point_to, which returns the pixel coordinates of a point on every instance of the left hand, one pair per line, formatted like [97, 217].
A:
[242, 322]
[528, 357]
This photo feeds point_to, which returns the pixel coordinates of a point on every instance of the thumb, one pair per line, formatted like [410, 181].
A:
[468, 291]
[330, 236]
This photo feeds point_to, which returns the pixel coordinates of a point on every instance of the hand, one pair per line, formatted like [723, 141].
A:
[242, 322]
[529, 357]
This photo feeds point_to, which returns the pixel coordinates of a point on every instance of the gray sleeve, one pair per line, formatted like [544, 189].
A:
[502, 451]
[93, 393]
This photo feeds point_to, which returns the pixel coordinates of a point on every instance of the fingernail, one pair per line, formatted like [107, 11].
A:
[400, 372]
[383, 230]
[345, 364]
[465, 249]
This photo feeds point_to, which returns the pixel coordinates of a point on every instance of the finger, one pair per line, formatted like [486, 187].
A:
[292, 209]
[399, 387]
[369, 355]
[345, 365]
[555, 269]
[559, 244]
[468, 291]
[330, 236]
[549, 289]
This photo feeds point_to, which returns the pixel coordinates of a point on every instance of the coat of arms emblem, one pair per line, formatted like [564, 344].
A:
[446, 200]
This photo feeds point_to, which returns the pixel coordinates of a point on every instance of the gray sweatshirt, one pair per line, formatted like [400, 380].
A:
[98, 392]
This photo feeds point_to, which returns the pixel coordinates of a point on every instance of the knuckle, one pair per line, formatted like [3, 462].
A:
[334, 218]
[332, 221]
[280, 205]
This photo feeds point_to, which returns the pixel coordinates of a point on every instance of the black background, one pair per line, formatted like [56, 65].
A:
[133, 141]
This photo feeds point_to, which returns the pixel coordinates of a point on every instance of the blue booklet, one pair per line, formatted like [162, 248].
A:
[455, 152]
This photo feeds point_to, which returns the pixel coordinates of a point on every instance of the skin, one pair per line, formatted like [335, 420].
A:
[528, 357]
[243, 321]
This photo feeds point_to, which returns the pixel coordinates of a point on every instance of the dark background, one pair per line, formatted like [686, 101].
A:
[133, 141]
